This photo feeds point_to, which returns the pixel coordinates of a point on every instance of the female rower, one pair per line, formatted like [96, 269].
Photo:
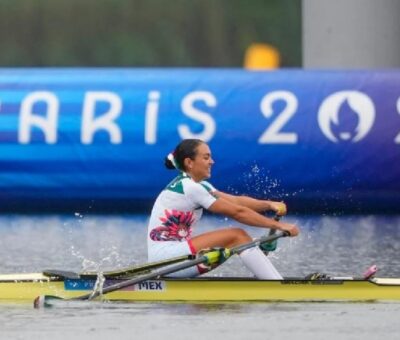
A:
[179, 206]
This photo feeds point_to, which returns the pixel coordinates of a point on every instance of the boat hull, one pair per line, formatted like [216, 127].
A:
[27, 287]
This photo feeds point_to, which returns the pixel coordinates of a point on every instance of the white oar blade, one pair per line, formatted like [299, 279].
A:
[51, 301]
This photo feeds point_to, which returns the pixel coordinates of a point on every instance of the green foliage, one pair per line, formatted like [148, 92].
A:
[195, 33]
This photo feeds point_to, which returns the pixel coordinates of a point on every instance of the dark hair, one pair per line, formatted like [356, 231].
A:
[185, 149]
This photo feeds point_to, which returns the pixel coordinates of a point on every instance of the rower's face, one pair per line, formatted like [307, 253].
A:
[200, 167]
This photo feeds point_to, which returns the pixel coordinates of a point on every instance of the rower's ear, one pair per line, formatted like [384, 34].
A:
[188, 164]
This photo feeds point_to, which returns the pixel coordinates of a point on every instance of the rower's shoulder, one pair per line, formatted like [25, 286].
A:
[208, 186]
[178, 183]
[182, 183]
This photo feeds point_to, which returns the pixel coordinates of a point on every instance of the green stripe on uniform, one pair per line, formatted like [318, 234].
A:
[176, 185]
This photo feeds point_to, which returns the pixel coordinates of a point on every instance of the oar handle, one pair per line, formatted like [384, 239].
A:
[265, 248]
[276, 218]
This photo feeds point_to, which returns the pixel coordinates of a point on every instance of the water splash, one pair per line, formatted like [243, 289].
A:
[98, 285]
[259, 182]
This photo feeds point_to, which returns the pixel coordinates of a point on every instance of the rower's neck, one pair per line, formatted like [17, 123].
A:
[185, 174]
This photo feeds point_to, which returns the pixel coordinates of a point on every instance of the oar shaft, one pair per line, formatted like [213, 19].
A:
[130, 271]
[207, 258]
[257, 242]
[159, 273]
[146, 277]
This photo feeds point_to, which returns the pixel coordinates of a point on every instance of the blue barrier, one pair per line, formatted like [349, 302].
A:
[95, 138]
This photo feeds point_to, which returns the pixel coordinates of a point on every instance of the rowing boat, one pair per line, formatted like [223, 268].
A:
[25, 287]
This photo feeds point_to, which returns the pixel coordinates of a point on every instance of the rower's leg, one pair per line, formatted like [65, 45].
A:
[227, 238]
[259, 264]
[254, 259]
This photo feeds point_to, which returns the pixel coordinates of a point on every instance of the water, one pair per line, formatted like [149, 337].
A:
[183, 321]
[337, 245]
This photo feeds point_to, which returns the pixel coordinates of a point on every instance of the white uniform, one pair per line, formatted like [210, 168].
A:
[176, 210]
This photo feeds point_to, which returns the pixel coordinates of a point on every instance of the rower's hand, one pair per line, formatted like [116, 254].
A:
[278, 207]
[292, 229]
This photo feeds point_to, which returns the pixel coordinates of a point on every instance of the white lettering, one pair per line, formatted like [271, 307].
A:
[91, 124]
[200, 116]
[150, 132]
[28, 118]
[272, 134]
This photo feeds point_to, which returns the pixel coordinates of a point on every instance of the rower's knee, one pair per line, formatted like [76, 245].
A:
[241, 235]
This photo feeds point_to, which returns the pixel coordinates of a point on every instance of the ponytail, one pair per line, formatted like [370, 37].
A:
[170, 162]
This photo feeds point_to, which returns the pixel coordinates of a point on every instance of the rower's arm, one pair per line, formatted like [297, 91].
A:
[254, 204]
[248, 216]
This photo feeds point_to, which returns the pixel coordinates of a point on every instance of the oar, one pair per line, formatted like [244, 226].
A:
[126, 272]
[139, 269]
[209, 258]
[271, 232]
